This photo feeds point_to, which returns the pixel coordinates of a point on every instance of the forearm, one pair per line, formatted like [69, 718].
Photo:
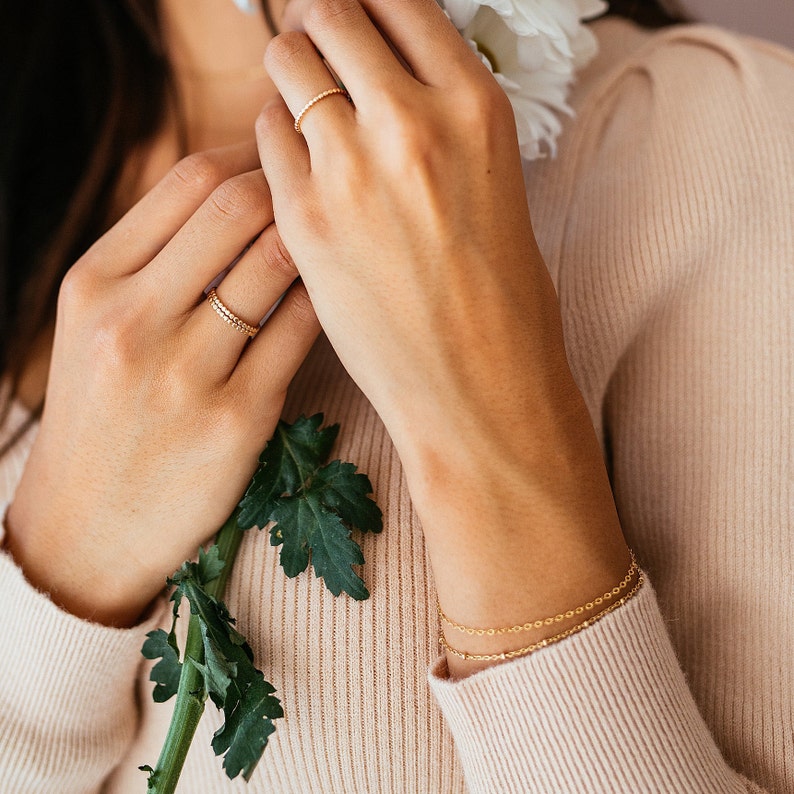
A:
[519, 523]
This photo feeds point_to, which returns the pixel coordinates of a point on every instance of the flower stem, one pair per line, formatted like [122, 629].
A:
[190, 696]
[228, 541]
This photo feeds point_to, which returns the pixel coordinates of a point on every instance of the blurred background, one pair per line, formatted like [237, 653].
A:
[769, 19]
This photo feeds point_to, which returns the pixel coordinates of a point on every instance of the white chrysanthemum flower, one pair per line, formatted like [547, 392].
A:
[533, 47]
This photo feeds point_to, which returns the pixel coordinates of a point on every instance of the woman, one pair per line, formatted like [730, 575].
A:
[405, 216]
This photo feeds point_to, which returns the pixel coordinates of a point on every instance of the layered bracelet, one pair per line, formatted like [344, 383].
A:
[606, 598]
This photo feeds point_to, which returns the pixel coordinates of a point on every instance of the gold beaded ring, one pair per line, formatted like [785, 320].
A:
[228, 316]
[312, 102]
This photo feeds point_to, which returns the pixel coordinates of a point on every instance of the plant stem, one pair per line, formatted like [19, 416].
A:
[190, 696]
[228, 541]
[188, 709]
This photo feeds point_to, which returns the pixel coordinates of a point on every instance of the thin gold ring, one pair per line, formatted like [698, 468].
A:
[228, 316]
[312, 102]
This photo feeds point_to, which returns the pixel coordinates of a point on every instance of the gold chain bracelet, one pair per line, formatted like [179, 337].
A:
[539, 624]
[497, 657]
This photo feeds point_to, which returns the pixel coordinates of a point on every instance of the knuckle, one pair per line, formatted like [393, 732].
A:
[199, 172]
[413, 134]
[486, 105]
[108, 325]
[276, 257]
[285, 48]
[78, 288]
[417, 142]
[323, 13]
[114, 339]
[236, 199]
[230, 420]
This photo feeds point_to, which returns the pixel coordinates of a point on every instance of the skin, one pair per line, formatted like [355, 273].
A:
[449, 303]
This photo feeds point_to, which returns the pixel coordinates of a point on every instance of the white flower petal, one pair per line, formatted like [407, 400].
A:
[533, 47]
[590, 9]
[461, 12]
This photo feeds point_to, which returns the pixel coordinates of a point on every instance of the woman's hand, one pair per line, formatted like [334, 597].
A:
[156, 409]
[406, 215]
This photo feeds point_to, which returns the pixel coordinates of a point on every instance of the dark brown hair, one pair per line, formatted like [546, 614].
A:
[648, 13]
[83, 83]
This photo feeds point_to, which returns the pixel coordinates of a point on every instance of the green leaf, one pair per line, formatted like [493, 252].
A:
[245, 733]
[166, 672]
[290, 458]
[289, 533]
[209, 565]
[346, 493]
[230, 678]
[313, 507]
[303, 525]
[226, 654]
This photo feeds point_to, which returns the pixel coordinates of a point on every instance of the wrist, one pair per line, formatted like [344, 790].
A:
[71, 570]
[518, 523]
[485, 646]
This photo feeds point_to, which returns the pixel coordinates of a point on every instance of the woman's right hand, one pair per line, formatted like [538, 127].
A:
[156, 409]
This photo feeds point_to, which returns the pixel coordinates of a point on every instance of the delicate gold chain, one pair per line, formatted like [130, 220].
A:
[539, 624]
[497, 657]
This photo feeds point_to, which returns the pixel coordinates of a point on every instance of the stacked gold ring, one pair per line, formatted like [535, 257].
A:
[227, 315]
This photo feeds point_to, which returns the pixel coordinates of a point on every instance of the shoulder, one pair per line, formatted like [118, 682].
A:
[672, 197]
[687, 87]
[683, 135]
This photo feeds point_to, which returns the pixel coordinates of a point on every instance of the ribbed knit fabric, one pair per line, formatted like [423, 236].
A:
[666, 222]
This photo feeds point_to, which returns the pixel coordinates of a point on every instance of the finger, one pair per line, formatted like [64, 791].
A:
[270, 362]
[249, 291]
[143, 232]
[211, 239]
[353, 47]
[425, 38]
[300, 75]
[283, 153]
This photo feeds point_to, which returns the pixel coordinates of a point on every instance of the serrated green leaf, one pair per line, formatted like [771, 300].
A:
[229, 677]
[290, 458]
[217, 669]
[209, 565]
[294, 556]
[307, 445]
[226, 654]
[166, 672]
[347, 494]
[306, 524]
[244, 734]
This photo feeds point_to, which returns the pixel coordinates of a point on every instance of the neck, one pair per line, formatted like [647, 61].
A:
[216, 52]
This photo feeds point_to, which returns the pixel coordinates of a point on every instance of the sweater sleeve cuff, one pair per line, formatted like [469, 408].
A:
[65, 684]
[607, 709]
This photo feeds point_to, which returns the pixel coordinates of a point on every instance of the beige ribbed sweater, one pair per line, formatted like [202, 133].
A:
[666, 222]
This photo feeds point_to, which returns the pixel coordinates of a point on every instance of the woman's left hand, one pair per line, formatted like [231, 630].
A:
[406, 215]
